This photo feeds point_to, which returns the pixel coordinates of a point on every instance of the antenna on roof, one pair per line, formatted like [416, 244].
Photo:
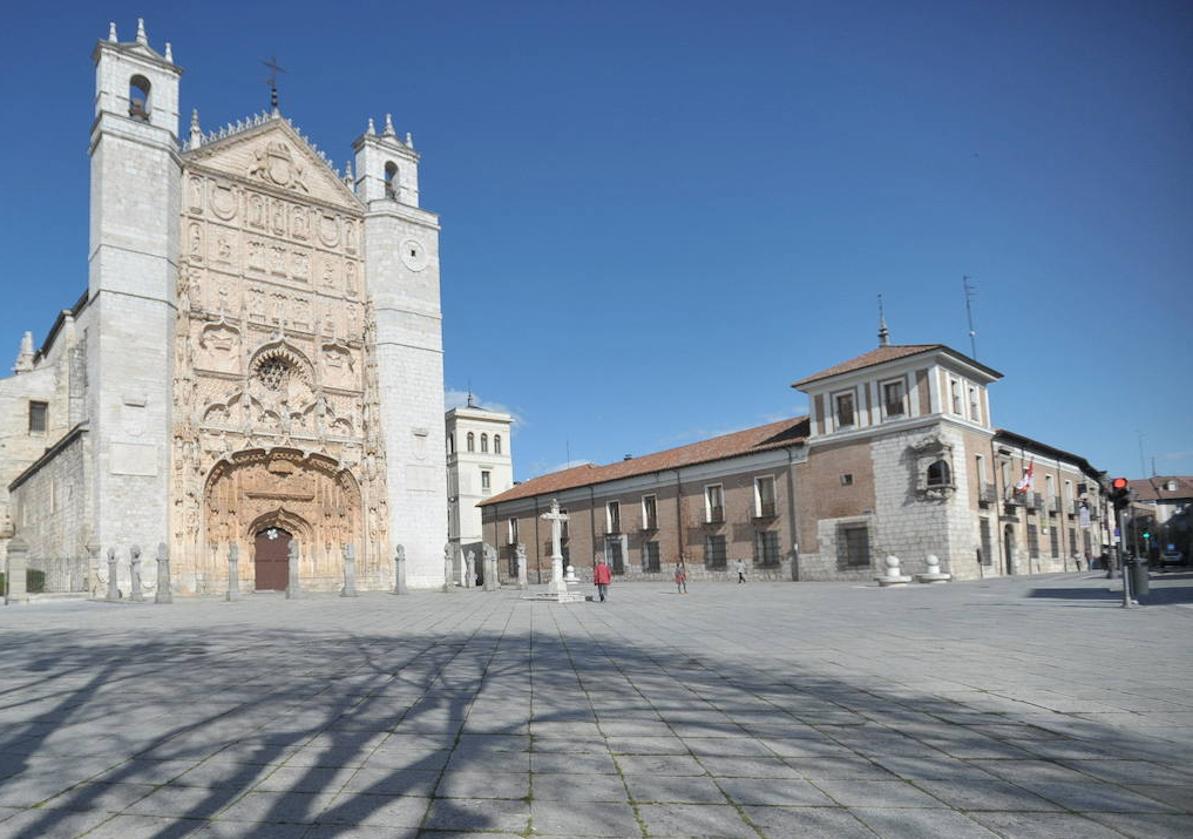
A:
[973, 335]
[884, 334]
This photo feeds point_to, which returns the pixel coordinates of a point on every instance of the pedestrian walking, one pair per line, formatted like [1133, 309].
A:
[681, 578]
[602, 576]
[740, 567]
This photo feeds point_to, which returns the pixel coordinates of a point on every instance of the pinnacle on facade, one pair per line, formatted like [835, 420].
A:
[409, 139]
[196, 131]
[142, 38]
[169, 53]
[371, 131]
[112, 32]
[389, 126]
[884, 334]
[24, 361]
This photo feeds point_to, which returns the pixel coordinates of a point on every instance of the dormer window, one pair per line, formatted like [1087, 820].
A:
[843, 407]
[894, 401]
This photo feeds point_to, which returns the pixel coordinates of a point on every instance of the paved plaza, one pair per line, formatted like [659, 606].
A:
[1014, 707]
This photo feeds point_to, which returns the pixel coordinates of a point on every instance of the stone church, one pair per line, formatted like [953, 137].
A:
[257, 358]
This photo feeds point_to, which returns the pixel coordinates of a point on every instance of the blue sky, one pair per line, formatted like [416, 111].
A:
[658, 215]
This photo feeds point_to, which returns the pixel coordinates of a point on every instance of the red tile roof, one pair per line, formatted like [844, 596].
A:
[1156, 488]
[881, 355]
[774, 435]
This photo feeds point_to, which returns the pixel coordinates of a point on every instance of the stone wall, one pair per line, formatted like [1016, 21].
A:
[52, 510]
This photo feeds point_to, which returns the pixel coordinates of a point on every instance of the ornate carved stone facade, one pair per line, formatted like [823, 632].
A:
[275, 387]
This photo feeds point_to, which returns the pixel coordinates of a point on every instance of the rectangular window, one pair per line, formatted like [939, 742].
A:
[650, 513]
[714, 504]
[714, 552]
[650, 557]
[39, 415]
[853, 547]
[1050, 487]
[955, 395]
[987, 557]
[764, 496]
[843, 403]
[614, 556]
[613, 517]
[1073, 542]
[1054, 541]
[1068, 494]
[767, 549]
[1033, 541]
[485, 481]
[894, 401]
[513, 532]
[975, 413]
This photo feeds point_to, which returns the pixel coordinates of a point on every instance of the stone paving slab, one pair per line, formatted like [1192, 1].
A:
[1010, 708]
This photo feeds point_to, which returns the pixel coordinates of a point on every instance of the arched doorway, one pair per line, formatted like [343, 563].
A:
[271, 554]
[1008, 548]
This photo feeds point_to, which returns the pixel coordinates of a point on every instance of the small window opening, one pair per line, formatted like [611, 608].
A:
[138, 98]
[847, 479]
[484, 442]
[38, 416]
[471, 442]
[938, 474]
[496, 444]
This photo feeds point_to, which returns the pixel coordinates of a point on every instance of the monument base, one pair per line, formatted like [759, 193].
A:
[556, 597]
[934, 578]
[887, 582]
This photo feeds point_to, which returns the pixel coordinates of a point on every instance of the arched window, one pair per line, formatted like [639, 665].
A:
[471, 442]
[391, 180]
[138, 98]
[496, 444]
[484, 442]
[938, 474]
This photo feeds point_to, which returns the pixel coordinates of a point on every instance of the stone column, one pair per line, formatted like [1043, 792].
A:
[469, 570]
[163, 593]
[349, 589]
[448, 582]
[293, 590]
[92, 568]
[233, 573]
[113, 589]
[400, 570]
[134, 573]
[523, 583]
[491, 583]
[15, 572]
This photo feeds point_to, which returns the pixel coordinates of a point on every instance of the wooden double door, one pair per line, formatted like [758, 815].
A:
[271, 559]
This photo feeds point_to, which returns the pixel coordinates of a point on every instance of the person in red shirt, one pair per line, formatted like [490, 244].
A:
[602, 576]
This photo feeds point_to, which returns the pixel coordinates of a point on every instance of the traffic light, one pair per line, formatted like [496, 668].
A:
[1120, 493]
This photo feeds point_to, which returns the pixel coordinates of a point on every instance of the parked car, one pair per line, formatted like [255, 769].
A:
[1171, 557]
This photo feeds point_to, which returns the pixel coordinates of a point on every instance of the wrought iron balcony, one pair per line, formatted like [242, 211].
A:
[766, 510]
[716, 515]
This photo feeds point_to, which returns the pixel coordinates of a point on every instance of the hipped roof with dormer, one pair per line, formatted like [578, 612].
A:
[888, 353]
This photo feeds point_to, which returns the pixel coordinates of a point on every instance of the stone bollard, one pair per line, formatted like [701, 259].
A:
[491, 582]
[113, 589]
[293, 589]
[469, 570]
[15, 573]
[571, 577]
[523, 582]
[892, 577]
[400, 570]
[934, 575]
[163, 593]
[448, 582]
[233, 573]
[134, 573]
[349, 589]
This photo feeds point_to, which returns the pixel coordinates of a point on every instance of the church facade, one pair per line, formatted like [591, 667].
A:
[257, 358]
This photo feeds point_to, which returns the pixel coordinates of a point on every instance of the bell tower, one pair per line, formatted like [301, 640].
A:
[401, 247]
[133, 258]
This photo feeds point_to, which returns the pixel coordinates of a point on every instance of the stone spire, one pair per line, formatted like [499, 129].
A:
[389, 126]
[169, 53]
[142, 38]
[196, 131]
[409, 140]
[371, 131]
[884, 334]
[112, 31]
[25, 356]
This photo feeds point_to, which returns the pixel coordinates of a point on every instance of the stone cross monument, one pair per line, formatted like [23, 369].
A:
[134, 573]
[233, 573]
[400, 570]
[557, 589]
[163, 593]
[113, 589]
[293, 590]
[349, 589]
[523, 583]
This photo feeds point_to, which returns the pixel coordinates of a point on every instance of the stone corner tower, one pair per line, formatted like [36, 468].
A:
[132, 273]
[401, 249]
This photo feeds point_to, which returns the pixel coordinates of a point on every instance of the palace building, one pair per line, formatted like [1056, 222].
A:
[898, 456]
[257, 357]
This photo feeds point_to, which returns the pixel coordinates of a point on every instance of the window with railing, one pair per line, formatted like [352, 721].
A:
[650, 557]
[766, 549]
[1054, 542]
[764, 497]
[853, 547]
[650, 513]
[715, 556]
[714, 504]
[894, 399]
[987, 557]
[613, 517]
[1033, 541]
[512, 532]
